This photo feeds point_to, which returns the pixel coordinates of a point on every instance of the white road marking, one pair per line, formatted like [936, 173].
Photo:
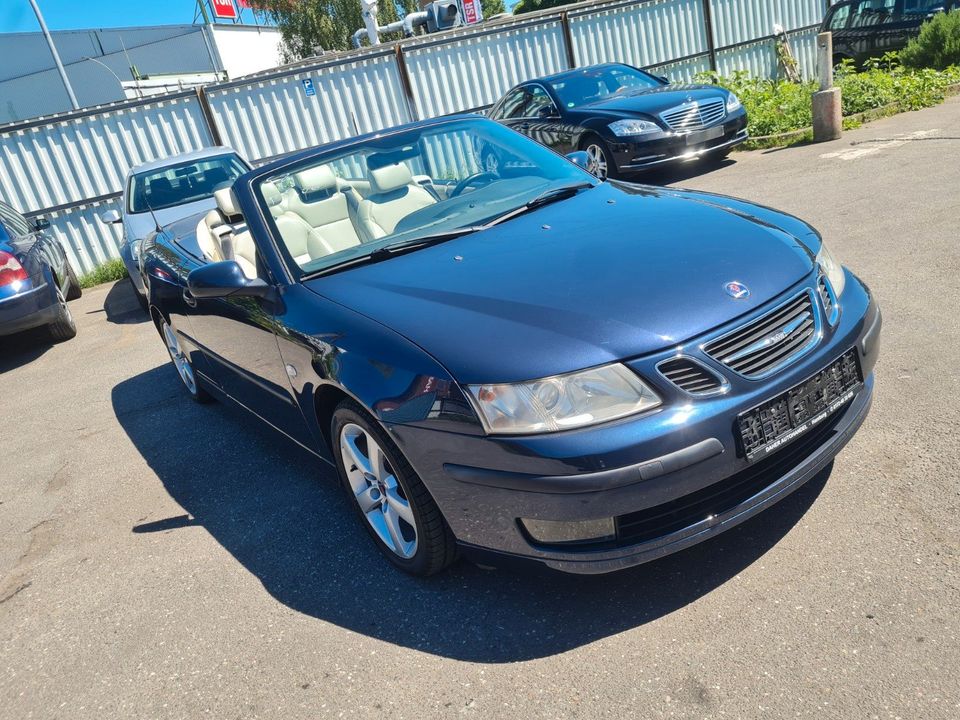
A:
[874, 146]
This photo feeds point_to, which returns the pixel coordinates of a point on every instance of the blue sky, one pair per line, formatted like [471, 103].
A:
[17, 15]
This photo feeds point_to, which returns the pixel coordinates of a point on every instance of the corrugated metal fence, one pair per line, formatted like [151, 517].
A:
[70, 168]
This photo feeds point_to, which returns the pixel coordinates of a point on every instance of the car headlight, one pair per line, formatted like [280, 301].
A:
[563, 402]
[832, 269]
[629, 128]
[733, 103]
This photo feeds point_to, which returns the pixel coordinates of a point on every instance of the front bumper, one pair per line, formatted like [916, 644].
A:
[669, 147]
[28, 309]
[686, 448]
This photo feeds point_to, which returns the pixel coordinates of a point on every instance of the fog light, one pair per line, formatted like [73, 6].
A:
[553, 532]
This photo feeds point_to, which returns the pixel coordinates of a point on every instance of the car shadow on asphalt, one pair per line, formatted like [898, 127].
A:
[682, 171]
[279, 512]
[121, 305]
[23, 348]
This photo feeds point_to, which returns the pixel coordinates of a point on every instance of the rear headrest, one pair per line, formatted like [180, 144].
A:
[213, 219]
[227, 202]
[390, 177]
[316, 179]
[274, 198]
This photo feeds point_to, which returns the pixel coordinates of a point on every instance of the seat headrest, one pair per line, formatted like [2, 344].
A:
[213, 219]
[316, 179]
[227, 202]
[274, 198]
[390, 177]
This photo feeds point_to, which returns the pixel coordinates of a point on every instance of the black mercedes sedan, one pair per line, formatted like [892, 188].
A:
[526, 363]
[625, 119]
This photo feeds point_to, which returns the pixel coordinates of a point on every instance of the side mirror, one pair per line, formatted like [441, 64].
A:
[110, 217]
[41, 224]
[580, 159]
[221, 279]
[663, 78]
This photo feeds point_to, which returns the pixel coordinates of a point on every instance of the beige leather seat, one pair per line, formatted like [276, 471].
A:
[302, 241]
[243, 250]
[394, 195]
[209, 231]
[330, 216]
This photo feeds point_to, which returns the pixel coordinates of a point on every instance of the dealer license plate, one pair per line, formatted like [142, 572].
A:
[698, 138]
[770, 426]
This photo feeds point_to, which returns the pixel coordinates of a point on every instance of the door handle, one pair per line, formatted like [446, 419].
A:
[188, 298]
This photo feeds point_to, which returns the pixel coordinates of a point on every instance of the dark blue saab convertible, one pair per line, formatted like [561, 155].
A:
[528, 362]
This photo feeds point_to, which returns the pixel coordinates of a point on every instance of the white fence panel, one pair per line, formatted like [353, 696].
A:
[473, 71]
[644, 34]
[84, 156]
[760, 58]
[737, 21]
[88, 241]
[278, 114]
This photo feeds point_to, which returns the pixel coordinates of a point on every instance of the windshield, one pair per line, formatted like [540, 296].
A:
[602, 83]
[431, 182]
[182, 183]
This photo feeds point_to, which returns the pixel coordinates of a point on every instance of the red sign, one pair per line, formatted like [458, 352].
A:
[472, 12]
[224, 9]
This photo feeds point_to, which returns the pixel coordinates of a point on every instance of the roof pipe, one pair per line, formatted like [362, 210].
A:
[411, 20]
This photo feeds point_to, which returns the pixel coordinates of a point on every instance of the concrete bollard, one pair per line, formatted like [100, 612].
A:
[827, 115]
[828, 103]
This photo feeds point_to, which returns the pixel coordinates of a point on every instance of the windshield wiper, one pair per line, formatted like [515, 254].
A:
[545, 198]
[395, 249]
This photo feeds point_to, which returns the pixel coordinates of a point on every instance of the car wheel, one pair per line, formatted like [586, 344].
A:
[393, 502]
[63, 328]
[600, 164]
[182, 363]
[75, 290]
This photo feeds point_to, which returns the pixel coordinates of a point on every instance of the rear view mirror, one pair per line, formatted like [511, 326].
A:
[580, 159]
[41, 224]
[110, 217]
[663, 78]
[220, 279]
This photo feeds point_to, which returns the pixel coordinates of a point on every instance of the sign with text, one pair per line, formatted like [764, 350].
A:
[224, 9]
[472, 11]
[308, 89]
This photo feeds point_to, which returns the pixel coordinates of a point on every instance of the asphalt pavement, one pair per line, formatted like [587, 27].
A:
[161, 559]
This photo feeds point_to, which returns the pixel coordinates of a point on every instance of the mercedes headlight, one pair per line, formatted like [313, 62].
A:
[563, 402]
[832, 269]
[733, 103]
[629, 128]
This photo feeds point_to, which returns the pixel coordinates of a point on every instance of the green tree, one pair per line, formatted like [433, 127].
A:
[937, 46]
[309, 27]
[525, 6]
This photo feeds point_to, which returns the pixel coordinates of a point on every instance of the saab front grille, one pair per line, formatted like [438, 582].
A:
[826, 297]
[690, 376]
[769, 342]
[695, 115]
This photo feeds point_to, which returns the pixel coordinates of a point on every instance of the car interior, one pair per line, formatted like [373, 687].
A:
[318, 213]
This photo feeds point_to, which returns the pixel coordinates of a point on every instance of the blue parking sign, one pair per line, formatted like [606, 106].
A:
[308, 88]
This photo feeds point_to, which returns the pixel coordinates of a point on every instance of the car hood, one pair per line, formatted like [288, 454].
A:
[616, 272]
[653, 101]
[139, 225]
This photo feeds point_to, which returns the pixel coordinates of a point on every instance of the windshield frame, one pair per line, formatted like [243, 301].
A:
[333, 151]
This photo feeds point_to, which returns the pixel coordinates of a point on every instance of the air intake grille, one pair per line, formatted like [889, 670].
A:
[695, 115]
[690, 376]
[826, 297]
[769, 342]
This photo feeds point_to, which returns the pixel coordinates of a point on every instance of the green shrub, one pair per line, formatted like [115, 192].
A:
[938, 45]
[110, 271]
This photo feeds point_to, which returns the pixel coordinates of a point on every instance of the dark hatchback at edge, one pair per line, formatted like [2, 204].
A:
[522, 364]
[625, 119]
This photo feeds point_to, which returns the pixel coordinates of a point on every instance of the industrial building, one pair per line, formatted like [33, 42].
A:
[106, 65]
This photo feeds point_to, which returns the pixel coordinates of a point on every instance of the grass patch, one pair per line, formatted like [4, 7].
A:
[781, 114]
[110, 271]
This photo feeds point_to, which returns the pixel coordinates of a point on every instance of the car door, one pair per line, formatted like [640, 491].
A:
[872, 28]
[837, 22]
[237, 337]
[542, 121]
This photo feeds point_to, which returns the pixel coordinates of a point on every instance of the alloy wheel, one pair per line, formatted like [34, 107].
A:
[598, 161]
[380, 496]
[179, 358]
[65, 313]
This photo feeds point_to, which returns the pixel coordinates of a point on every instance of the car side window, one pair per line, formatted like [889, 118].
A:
[870, 13]
[512, 106]
[840, 17]
[540, 104]
[15, 223]
[922, 7]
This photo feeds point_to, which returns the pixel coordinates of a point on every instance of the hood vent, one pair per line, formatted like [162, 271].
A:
[690, 376]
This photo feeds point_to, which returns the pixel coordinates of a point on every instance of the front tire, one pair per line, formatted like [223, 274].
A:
[601, 165]
[182, 363]
[75, 290]
[393, 503]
